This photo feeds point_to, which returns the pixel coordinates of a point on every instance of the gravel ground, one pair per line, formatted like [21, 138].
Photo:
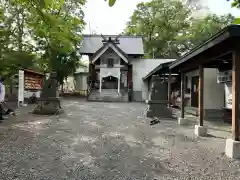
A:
[108, 141]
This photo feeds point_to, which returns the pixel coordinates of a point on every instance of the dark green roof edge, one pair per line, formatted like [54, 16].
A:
[229, 31]
[158, 68]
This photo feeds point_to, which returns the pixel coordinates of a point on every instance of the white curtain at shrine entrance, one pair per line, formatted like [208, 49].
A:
[105, 72]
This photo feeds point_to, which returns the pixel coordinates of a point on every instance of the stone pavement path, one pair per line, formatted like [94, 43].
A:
[108, 141]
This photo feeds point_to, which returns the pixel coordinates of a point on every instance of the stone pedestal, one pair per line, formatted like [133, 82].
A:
[48, 106]
[158, 99]
[182, 121]
[232, 148]
[49, 101]
[200, 130]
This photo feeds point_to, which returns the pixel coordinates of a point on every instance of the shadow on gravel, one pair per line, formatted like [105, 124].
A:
[219, 129]
[39, 150]
[213, 136]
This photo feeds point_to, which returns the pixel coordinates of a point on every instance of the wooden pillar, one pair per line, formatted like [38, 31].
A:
[182, 95]
[169, 88]
[235, 95]
[90, 72]
[200, 95]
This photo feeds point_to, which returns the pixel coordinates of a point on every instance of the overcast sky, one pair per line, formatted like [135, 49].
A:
[111, 20]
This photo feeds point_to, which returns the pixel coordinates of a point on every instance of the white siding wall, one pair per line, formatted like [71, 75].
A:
[141, 67]
[213, 91]
[214, 95]
[81, 82]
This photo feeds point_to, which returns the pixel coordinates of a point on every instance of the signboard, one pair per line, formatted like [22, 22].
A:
[33, 82]
[20, 86]
[228, 95]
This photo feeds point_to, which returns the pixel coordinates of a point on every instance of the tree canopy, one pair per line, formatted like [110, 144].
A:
[111, 2]
[236, 4]
[46, 35]
[36, 34]
[169, 29]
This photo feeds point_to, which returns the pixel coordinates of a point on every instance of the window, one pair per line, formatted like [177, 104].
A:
[110, 62]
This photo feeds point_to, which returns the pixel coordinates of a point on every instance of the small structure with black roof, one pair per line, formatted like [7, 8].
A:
[162, 70]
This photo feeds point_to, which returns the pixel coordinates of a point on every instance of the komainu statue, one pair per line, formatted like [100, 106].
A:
[49, 101]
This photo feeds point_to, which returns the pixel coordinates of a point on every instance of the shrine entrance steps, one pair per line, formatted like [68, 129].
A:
[108, 95]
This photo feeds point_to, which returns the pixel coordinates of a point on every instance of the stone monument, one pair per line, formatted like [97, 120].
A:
[49, 101]
[158, 99]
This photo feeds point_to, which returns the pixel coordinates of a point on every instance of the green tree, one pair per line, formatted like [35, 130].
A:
[111, 2]
[169, 29]
[236, 4]
[60, 40]
[14, 51]
[160, 22]
[201, 29]
[42, 31]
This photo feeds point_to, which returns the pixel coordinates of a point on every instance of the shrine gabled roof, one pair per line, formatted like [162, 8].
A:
[114, 47]
[130, 45]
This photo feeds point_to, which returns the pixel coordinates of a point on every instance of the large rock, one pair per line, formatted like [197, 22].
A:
[49, 101]
[158, 99]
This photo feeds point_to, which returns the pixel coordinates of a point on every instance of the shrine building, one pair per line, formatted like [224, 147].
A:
[116, 67]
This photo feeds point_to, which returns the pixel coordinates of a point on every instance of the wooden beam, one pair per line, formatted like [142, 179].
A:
[235, 95]
[200, 95]
[211, 51]
[169, 88]
[218, 52]
[182, 95]
[164, 77]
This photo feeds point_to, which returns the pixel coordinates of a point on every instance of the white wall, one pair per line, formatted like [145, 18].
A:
[141, 67]
[213, 91]
[214, 95]
[81, 82]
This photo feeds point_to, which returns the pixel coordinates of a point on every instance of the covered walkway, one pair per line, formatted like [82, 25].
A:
[221, 52]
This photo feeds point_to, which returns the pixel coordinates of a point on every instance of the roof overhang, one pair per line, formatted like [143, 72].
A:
[131, 45]
[218, 38]
[160, 69]
[104, 48]
[32, 71]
